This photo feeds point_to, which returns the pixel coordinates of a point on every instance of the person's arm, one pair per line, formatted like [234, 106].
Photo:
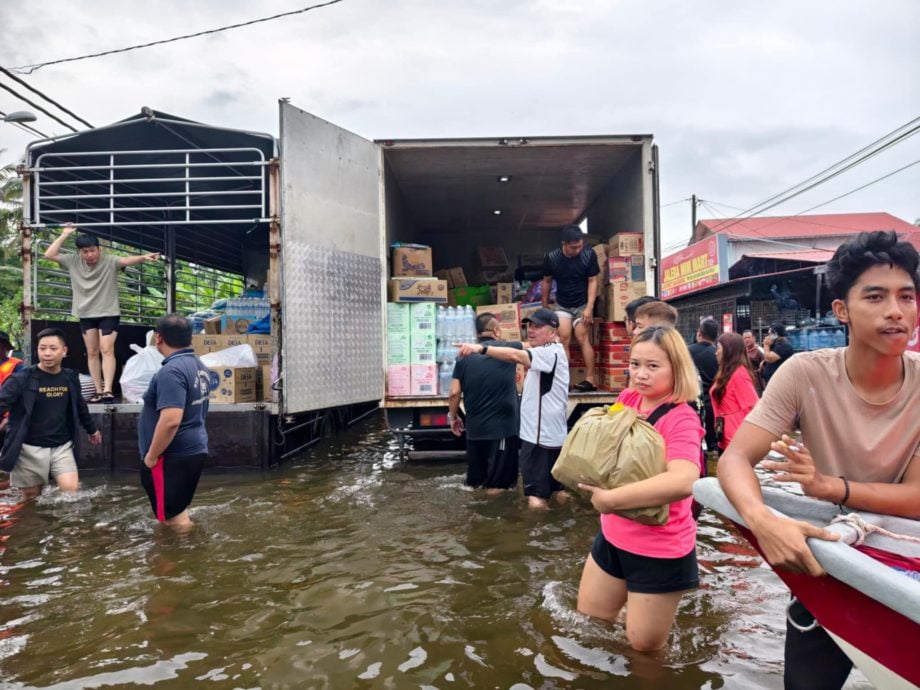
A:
[588, 315]
[453, 408]
[138, 259]
[53, 252]
[675, 484]
[86, 419]
[545, 292]
[503, 354]
[163, 434]
[10, 392]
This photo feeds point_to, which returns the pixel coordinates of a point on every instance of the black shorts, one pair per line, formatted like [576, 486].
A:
[646, 574]
[171, 484]
[105, 324]
[492, 464]
[536, 463]
[813, 661]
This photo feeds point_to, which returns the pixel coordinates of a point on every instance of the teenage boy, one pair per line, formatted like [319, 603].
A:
[857, 410]
[172, 437]
[46, 408]
[94, 283]
[9, 365]
[575, 270]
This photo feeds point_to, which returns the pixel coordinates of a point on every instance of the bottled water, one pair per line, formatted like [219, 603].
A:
[470, 325]
[452, 321]
[445, 374]
[440, 321]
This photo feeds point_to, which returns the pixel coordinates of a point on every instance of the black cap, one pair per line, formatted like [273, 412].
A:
[543, 317]
[5, 338]
[572, 233]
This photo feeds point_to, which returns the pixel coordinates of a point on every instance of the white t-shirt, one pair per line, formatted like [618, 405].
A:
[543, 417]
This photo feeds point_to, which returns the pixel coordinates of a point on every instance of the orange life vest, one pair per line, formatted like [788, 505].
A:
[6, 369]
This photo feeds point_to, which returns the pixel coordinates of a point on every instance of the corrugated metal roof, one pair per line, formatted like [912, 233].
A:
[818, 256]
[805, 226]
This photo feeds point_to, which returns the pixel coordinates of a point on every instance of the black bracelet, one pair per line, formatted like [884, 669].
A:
[485, 348]
[846, 491]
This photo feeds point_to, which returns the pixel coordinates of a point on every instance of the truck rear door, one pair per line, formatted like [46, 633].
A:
[332, 266]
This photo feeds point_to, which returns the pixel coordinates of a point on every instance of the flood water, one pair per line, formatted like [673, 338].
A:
[351, 568]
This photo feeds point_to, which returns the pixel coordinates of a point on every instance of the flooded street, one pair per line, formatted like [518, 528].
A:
[351, 569]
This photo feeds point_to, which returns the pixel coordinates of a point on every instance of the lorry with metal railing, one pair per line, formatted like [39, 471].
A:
[308, 217]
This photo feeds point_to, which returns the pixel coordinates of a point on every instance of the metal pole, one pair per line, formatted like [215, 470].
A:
[692, 215]
[25, 235]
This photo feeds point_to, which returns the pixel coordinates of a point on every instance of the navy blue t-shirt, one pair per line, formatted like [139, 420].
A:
[183, 382]
[571, 275]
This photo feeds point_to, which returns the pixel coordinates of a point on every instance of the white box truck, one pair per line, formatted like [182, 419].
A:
[310, 216]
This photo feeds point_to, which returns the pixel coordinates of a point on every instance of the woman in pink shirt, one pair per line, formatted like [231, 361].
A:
[733, 393]
[648, 567]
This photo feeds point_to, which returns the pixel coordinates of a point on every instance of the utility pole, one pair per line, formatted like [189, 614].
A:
[692, 214]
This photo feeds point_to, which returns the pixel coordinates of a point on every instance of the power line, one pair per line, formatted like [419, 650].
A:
[674, 203]
[47, 98]
[24, 127]
[827, 173]
[37, 107]
[29, 69]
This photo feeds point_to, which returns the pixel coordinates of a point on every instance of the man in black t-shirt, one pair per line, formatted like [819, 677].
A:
[574, 268]
[776, 350]
[489, 392]
[46, 407]
[703, 353]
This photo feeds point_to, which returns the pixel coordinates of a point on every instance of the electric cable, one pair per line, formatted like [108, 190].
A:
[37, 107]
[29, 69]
[46, 97]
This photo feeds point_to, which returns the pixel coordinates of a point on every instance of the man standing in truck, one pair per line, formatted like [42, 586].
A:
[543, 403]
[575, 270]
[489, 391]
[94, 281]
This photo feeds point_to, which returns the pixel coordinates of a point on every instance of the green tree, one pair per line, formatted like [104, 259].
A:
[10, 265]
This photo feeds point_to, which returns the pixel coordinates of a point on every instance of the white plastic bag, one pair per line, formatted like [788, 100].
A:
[236, 356]
[139, 369]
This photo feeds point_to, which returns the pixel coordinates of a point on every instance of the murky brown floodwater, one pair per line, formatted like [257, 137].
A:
[351, 569]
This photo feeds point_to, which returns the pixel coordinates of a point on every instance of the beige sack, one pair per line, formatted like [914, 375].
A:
[611, 447]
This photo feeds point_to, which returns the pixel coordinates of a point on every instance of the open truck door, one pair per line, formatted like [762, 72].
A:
[332, 272]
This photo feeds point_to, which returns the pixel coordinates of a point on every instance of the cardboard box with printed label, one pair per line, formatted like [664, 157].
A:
[417, 290]
[492, 277]
[509, 319]
[265, 382]
[504, 293]
[233, 384]
[399, 379]
[625, 243]
[203, 344]
[610, 332]
[600, 251]
[212, 325]
[263, 346]
[237, 324]
[577, 374]
[423, 336]
[412, 261]
[618, 295]
[424, 379]
[455, 277]
[491, 258]
[399, 335]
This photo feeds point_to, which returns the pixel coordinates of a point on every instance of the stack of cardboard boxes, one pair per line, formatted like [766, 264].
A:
[239, 384]
[414, 294]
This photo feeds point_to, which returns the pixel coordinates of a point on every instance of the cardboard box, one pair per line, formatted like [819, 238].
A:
[610, 332]
[399, 349]
[492, 277]
[455, 277]
[212, 325]
[618, 295]
[233, 384]
[399, 379]
[600, 251]
[233, 340]
[398, 317]
[509, 319]
[531, 260]
[418, 290]
[412, 260]
[424, 379]
[625, 243]
[398, 335]
[637, 268]
[577, 375]
[263, 345]
[504, 293]
[491, 258]
[576, 358]
[237, 323]
[423, 342]
[265, 382]
[203, 344]
[618, 269]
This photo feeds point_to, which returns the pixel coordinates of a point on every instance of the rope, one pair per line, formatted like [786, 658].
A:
[864, 529]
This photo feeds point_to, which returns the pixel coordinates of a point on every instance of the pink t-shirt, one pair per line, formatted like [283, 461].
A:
[740, 398]
[682, 433]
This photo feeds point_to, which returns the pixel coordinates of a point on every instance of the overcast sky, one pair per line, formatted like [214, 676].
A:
[745, 99]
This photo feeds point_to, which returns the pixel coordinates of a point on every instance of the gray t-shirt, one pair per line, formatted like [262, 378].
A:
[545, 398]
[95, 288]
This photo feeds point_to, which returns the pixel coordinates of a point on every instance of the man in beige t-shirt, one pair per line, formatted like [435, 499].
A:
[859, 412]
[94, 281]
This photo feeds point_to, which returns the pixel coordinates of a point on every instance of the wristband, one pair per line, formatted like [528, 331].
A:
[485, 348]
[846, 491]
